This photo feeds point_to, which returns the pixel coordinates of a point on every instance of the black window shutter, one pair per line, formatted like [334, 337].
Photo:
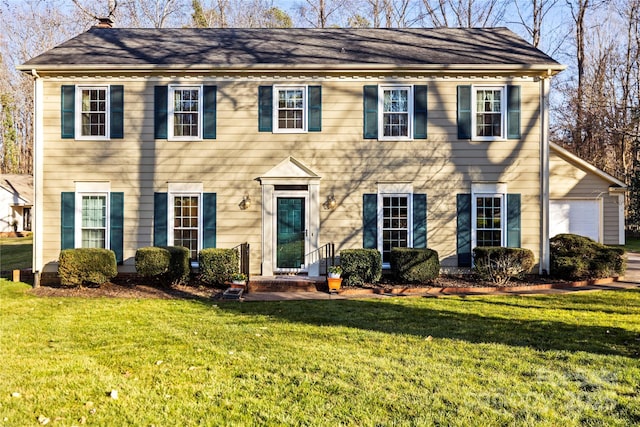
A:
[513, 221]
[463, 238]
[67, 216]
[370, 108]
[315, 108]
[160, 201]
[116, 225]
[420, 112]
[67, 111]
[160, 101]
[209, 112]
[464, 112]
[209, 220]
[116, 101]
[265, 108]
[370, 221]
[513, 112]
[419, 220]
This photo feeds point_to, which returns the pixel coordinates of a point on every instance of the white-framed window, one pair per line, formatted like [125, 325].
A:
[92, 219]
[185, 222]
[395, 112]
[489, 112]
[488, 214]
[290, 109]
[395, 218]
[92, 112]
[185, 112]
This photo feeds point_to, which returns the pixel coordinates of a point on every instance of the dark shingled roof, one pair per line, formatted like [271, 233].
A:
[229, 47]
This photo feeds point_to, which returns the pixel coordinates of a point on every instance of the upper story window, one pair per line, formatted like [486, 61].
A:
[290, 109]
[395, 112]
[93, 112]
[185, 112]
[488, 113]
[489, 118]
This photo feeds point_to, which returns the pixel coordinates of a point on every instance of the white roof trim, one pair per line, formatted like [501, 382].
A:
[290, 168]
[583, 164]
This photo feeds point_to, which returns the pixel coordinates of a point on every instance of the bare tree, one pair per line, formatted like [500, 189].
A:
[532, 15]
[464, 13]
[151, 13]
[318, 13]
[28, 29]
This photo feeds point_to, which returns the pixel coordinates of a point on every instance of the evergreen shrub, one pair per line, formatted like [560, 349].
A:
[218, 265]
[87, 266]
[411, 265]
[360, 266]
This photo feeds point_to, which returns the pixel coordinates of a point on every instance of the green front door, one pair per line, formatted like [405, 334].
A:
[290, 240]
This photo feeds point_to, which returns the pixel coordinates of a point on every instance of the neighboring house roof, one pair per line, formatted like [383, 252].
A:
[19, 186]
[586, 166]
[209, 48]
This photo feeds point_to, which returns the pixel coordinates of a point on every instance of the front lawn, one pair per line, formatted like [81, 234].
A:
[15, 253]
[537, 360]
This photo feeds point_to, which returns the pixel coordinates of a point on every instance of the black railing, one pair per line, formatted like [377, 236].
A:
[243, 251]
[325, 256]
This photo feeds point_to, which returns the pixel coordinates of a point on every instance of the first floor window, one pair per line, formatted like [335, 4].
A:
[93, 110]
[395, 224]
[489, 113]
[396, 111]
[94, 220]
[489, 222]
[185, 112]
[290, 109]
[186, 223]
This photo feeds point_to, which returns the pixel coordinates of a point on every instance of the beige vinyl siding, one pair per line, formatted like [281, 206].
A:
[567, 181]
[440, 166]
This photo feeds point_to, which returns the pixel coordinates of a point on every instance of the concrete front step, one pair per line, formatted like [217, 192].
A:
[287, 284]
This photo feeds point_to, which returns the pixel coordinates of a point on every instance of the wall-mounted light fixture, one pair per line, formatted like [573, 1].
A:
[330, 203]
[245, 203]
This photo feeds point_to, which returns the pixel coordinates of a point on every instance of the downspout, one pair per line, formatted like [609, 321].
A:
[544, 268]
[38, 150]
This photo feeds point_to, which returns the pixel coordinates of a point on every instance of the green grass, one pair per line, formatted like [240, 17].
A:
[15, 253]
[565, 360]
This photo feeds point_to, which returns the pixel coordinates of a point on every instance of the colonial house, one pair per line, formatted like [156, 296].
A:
[290, 139]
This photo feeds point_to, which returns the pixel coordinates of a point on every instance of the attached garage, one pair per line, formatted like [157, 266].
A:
[584, 200]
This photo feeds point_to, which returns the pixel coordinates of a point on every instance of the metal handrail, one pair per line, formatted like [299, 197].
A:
[326, 253]
[244, 252]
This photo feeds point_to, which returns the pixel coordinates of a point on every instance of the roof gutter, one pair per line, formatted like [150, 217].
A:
[548, 69]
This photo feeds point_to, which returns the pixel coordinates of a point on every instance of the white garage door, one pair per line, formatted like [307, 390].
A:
[575, 216]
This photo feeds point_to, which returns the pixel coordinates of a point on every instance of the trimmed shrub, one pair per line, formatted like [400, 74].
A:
[152, 261]
[576, 257]
[499, 264]
[179, 264]
[413, 265]
[217, 265]
[87, 266]
[360, 266]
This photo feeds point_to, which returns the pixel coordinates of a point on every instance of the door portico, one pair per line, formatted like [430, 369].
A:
[290, 218]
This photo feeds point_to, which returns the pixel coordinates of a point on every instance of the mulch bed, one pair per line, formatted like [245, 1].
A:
[131, 288]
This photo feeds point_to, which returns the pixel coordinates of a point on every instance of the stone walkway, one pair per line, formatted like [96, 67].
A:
[630, 280]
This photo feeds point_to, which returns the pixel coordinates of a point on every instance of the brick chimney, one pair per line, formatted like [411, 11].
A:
[105, 22]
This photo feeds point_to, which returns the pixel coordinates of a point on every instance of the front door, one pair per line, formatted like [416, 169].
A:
[291, 233]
